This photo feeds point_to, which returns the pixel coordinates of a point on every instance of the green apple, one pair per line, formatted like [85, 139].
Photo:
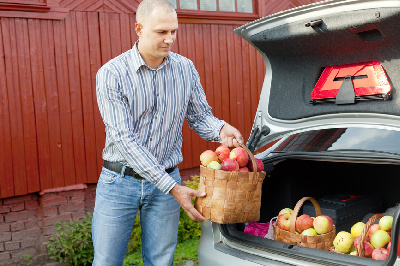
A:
[386, 222]
[214, 165]
[309, 232]
[353, 251]
[357, 229]
[343, 242]
[379, 239]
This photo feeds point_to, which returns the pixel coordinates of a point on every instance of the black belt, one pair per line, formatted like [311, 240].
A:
[115, 167]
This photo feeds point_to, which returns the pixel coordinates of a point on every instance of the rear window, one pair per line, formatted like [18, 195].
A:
[343, 139]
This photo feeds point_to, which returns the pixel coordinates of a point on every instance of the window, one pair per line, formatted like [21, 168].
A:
[224, 7]
[39, 9]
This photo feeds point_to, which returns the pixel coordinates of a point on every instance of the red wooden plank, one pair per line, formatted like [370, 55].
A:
[76, 97]
[115, 35]
[39, 97]
[105, 37]
[52, 99]
[64, 103]
[224, 70]
[89, 5]
[200, 66]
[231, 54]
[132, 21]
[117, 7]
[6, 158]
[87, 97]
[95, 64]
[219, 106]
[28, 110]
[125, 32]
[14, 97]
[208, 73]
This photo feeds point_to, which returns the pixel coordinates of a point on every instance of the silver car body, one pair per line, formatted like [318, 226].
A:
[217, 250]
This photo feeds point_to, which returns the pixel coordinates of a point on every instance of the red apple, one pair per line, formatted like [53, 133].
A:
[244, 169]
[389, 245]
[222, 152]
[230, 165]
[283, 221]
[240, 155]
[323, 224]
[304, 222]
[368, 248]
[380, 254]
[207, 157]
[372, 229]
[260, 165]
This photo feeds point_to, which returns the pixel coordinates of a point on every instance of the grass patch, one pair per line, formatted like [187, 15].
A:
[187, 250]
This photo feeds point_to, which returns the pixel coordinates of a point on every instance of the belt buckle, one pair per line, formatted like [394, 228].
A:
[136, 176]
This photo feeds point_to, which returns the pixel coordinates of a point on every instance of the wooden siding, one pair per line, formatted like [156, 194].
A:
[51, 132]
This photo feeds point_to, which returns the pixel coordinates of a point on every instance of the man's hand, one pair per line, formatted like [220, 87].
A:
[229, 135]
[183, 196]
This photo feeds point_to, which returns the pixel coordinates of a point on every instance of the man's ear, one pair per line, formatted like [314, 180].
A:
[138, 29]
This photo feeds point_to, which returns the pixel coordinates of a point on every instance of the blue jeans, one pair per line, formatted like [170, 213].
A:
[118, 199]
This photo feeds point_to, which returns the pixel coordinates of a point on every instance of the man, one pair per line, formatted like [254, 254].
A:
[143, 96]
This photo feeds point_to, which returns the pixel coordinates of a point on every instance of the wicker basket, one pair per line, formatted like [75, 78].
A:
[364, 233]
[231, 197]
[324, 241]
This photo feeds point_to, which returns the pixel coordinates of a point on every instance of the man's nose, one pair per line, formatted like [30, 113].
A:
[169, 38]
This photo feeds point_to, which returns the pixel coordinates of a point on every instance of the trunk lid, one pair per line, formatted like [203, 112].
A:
[302, 49]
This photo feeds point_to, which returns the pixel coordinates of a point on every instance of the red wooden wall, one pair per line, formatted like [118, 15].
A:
[51, 133]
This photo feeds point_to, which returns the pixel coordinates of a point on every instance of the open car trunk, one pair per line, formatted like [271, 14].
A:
[291, 179]
[302, 47]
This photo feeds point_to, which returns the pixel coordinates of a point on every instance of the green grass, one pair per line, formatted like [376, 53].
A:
[185, 251]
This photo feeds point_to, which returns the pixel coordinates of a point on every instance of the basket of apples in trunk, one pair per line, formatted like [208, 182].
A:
[232, 183]
[369, 240]
[305, 231]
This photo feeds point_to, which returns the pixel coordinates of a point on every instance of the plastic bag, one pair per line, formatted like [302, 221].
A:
[260, 229]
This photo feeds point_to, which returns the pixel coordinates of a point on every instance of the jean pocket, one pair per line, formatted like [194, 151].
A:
[108, 177]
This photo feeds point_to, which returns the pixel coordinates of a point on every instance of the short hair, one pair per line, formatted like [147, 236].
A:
[146, 7]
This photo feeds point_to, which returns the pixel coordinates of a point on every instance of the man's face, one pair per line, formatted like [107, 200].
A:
[157, 34]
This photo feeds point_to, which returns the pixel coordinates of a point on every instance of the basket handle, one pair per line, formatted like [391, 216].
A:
[253, 160]
[296, 210]
[371, 221]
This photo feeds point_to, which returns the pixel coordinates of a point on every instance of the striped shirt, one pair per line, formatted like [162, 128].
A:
[143, 110]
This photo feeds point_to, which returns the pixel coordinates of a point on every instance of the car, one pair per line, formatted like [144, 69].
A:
[330, 108]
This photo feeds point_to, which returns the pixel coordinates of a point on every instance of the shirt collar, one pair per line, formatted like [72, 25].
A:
[139, 62]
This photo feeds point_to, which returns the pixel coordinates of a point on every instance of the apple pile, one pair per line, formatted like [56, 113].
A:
[223, 158]
[305, 224]
[376, 244]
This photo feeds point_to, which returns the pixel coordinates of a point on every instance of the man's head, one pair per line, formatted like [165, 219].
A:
[156, 26]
